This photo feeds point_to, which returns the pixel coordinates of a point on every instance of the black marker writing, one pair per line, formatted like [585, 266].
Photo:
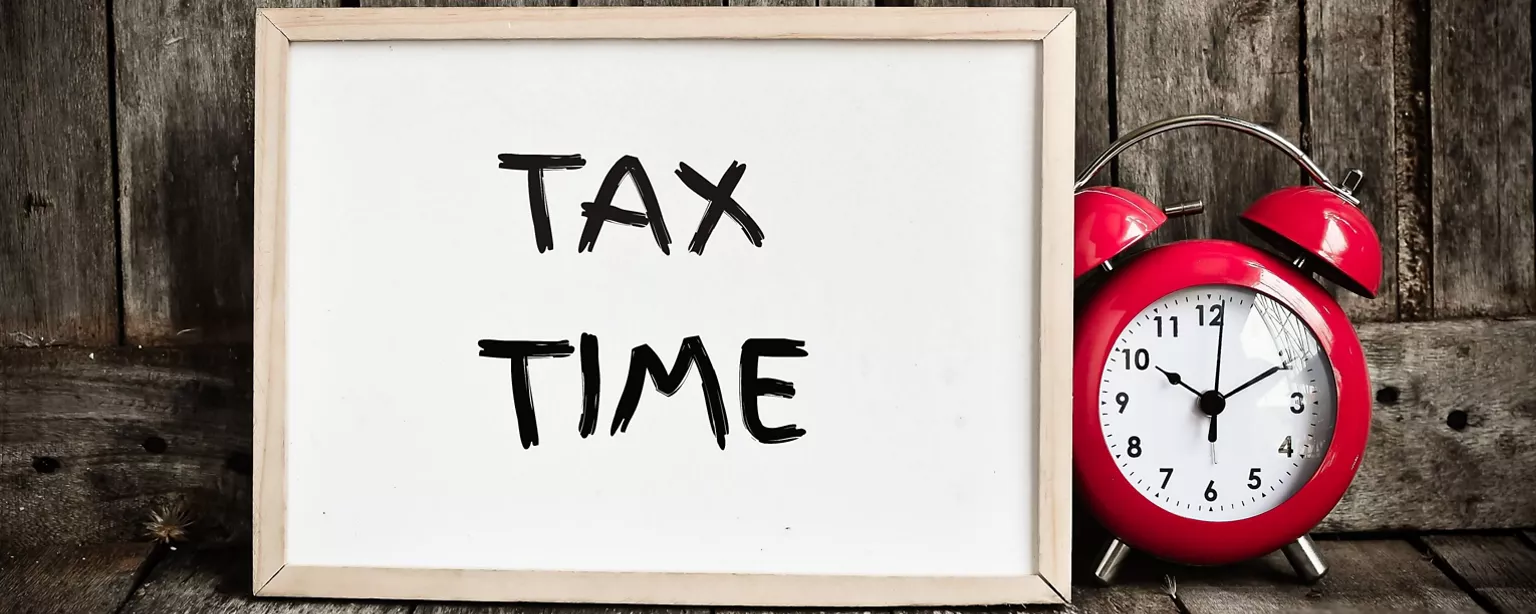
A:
[591, 381]
[643, 360]
[753, 387]
[720, 201]
[601, 208]
[536, 165]
[522, 396]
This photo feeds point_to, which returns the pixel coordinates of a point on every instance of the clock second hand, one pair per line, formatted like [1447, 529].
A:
[1221, 331]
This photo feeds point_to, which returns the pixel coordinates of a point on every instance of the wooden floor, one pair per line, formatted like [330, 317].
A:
[1446, 572]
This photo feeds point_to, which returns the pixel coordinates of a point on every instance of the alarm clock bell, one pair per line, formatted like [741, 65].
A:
[1315, 230]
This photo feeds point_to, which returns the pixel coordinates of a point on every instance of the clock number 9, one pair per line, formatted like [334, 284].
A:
[1215, 311]
[1141, 359]
[1123, 399]
[1133, 447]
[1298, 407]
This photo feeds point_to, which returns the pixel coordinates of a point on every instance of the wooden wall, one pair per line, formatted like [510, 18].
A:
[125, 233]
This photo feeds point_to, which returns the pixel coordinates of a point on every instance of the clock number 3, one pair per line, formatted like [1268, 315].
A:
[1298, 406]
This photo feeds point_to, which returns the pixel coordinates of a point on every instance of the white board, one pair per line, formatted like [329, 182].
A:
[896, 186]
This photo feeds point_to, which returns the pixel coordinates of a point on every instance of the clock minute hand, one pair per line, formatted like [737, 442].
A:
[1271, 371]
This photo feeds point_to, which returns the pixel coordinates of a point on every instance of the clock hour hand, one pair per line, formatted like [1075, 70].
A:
[1173, 378]
[1271, 371]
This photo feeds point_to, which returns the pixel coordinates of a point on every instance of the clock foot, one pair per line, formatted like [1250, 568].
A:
[1109, 563]
[1305, 559]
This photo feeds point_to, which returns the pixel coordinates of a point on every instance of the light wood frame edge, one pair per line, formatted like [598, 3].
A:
[269, 325]
[1054, 466]
[277, 28]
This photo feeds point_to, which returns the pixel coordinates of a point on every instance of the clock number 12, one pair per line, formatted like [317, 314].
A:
[1215, 312]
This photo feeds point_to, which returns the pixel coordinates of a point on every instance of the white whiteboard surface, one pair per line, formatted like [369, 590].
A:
[897, 185]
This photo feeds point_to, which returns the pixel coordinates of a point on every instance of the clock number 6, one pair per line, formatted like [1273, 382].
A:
[1210, 491]
[1141, 359]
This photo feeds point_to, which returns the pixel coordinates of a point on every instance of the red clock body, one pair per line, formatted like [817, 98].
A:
[1194, 290]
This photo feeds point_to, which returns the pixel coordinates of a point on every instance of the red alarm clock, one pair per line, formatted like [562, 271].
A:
[1221, 401]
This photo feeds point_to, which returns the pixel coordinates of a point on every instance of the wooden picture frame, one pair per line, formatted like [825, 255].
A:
[276, 29]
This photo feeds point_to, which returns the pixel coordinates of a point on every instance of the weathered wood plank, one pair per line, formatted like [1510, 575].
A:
[770, 2]
[1480, 103]
[461, 3]
[1451, 428]
[477, 608]
[185, 81]
[79, 434]
[1500, 568]
[1207, 56]
[66, 580]
[219, 580]
[91, 442]
[1092, 109]
[650, 2]
[1136, 598]
[58, 237]
[1372, 576]
[1351, 115]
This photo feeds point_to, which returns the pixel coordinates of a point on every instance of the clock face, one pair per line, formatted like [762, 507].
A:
[1217, 403]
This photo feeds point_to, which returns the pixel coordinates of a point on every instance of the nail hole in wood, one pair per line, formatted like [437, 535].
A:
[45, 464]
[1387, 395]
[1457, 420]
[154, 445]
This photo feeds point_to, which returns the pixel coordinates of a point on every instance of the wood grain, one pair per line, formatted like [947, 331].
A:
[1501, 569]
[58, 240]
[70, 580]
[1207, 56]
[93, 441]
[476, 608]
[185, 143]
[1480, 105]
[650, 2]
[1423, 472]
[1352, 119]
[459, 3]
[94, 417]
[218, 580]
[1093, 124]
[1369, 576]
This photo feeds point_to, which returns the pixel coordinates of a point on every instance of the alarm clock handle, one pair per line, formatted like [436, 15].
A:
[1344, 190]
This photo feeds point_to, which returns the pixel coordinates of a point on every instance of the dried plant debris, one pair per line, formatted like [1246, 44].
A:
[168, 523]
